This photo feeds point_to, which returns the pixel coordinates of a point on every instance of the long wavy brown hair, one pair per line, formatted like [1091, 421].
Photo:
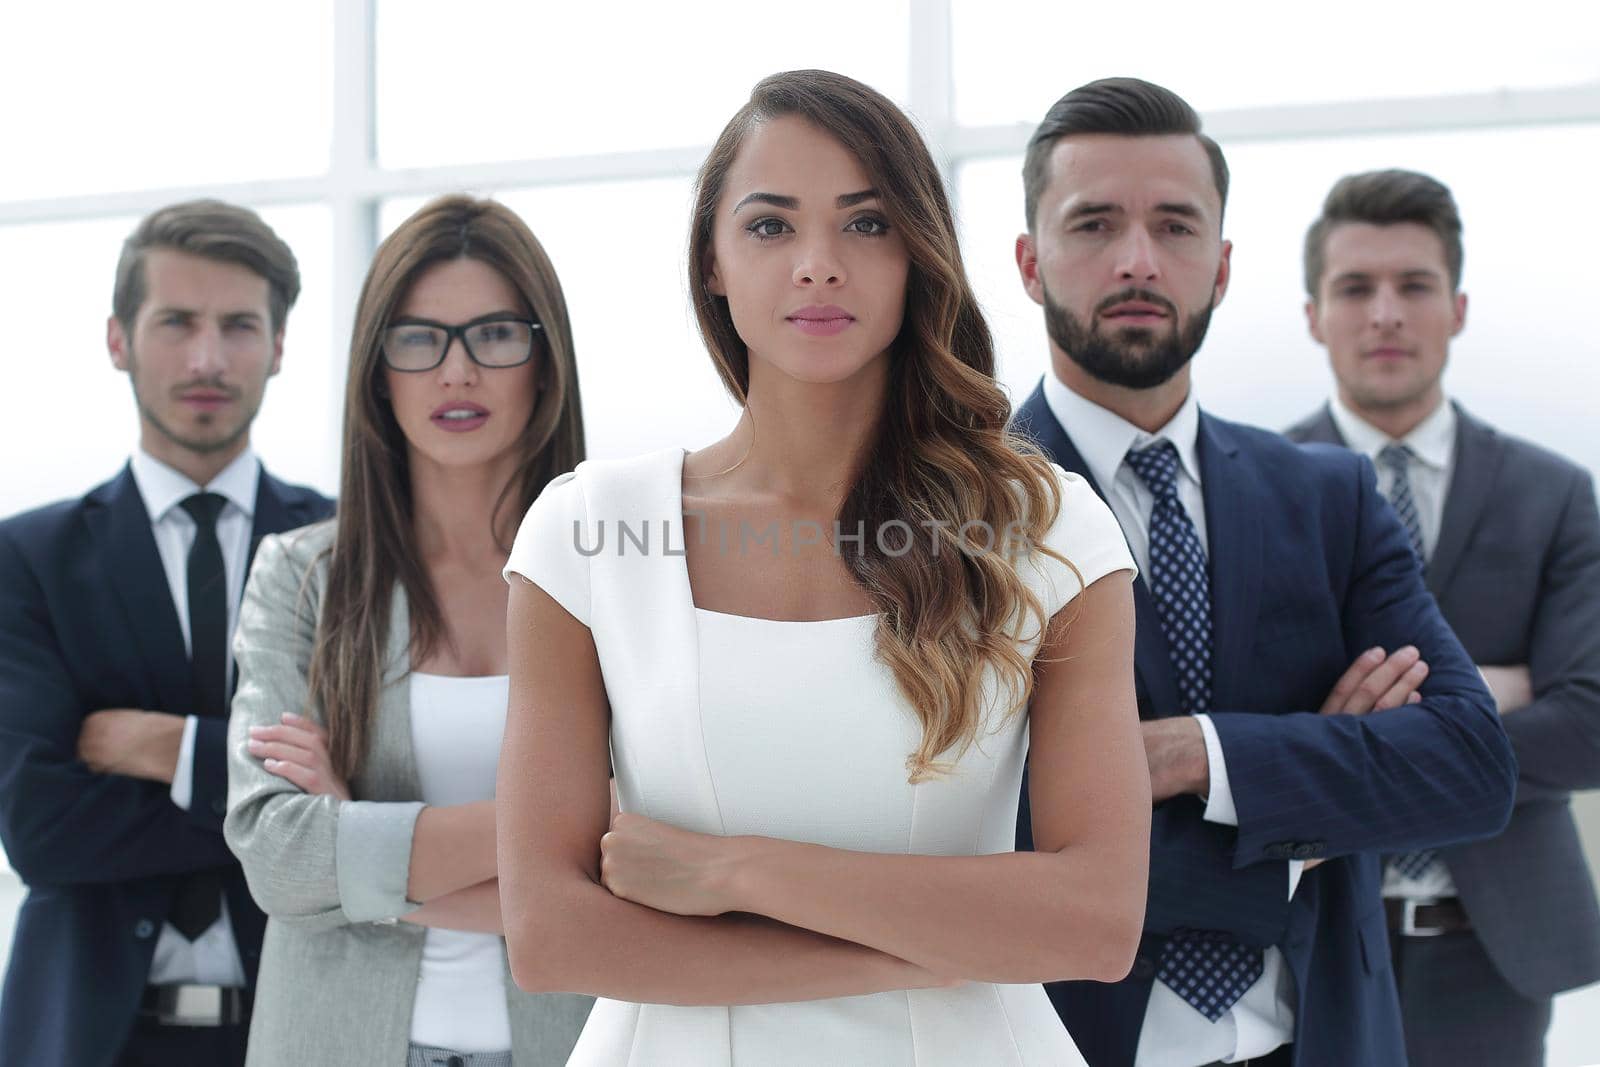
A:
[375, 544]
[953, 607]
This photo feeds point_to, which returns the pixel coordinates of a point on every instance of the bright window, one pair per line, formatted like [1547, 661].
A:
[103, 97]
[495, 81]
[1258, 53]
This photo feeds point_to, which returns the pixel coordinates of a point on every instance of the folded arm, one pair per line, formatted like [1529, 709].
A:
[1427, 773]
[1196, 883]
[833, 922]
[475, 909]
[1557, 735]
[61, 822]
[313, 858]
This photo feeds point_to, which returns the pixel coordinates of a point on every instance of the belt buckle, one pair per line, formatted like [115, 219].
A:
[194, 1007]
[1408, 918]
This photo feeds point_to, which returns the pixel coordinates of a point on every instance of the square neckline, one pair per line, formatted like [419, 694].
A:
[683, 562]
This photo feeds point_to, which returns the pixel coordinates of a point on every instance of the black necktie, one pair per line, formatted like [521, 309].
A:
[198, 903]
[1207, 968]
[208, 607]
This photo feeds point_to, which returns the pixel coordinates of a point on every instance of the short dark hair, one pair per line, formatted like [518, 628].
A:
[1383, 198]
[210, 229]
[1131, 107]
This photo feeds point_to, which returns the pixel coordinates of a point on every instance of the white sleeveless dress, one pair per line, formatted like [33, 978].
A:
[731, 725]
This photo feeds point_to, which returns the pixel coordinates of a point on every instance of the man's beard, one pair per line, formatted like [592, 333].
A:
[200, 446]
[1135, 358]
[223, 437]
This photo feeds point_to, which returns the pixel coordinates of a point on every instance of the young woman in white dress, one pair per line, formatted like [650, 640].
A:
[818, 740]
[372, 668]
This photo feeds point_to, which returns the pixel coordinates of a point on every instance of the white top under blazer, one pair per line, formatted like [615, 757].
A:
[724, 724]
[456, 726]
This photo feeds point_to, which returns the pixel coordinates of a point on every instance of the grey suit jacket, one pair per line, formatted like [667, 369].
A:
[1517, 575]
[338, 973]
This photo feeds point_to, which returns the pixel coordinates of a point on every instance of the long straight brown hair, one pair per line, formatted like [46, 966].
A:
[375, 545]
[951, 609]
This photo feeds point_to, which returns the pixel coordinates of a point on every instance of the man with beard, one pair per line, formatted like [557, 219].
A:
[1483, 934]
[138, 941]
[1279, 602]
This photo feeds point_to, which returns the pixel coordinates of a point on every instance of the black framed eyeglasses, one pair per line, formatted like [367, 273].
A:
[498, 340]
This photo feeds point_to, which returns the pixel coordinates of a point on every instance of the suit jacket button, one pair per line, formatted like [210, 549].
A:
[143, 929]
[220, 807]
[1144, 967]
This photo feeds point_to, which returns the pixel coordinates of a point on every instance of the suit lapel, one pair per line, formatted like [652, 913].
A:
[1152, 659]
[1234, 541]
[274, 513]
[277, 512]
[1477, 461]
[1321, 428]
[126, 549]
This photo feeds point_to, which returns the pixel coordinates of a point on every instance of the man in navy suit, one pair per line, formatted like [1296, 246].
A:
[1483, 934]
[138, 942]
[1278, 602]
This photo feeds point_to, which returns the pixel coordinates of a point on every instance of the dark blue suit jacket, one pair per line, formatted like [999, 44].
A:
[1309, 568]
[87, 622]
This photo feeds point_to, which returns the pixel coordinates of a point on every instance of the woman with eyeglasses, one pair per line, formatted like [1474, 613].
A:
[372, 668]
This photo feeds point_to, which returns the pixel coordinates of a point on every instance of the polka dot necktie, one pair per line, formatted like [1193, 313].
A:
[1396, 460]
[1207, 968]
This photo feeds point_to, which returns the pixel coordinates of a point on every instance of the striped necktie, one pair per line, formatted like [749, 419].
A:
[1396, 459]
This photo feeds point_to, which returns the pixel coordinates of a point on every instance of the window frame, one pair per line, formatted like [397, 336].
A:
[355, 184]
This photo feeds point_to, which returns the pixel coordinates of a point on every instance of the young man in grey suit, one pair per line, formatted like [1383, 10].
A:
[1483, 934]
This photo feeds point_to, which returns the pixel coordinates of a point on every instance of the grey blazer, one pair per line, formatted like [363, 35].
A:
[338, 972]
[1517, 575]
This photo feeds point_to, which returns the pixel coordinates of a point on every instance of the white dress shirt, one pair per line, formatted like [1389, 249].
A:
[212, 958]
[1174, 1033]
[1433, 442]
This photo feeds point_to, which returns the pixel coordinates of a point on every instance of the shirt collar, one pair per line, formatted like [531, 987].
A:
[1104, 437]
[163, 488]
[1432, 440]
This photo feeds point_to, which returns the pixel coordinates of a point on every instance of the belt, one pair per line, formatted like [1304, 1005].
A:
[1278, 1057]
[1412, 917]
[194, 1005]
[431, 1056]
